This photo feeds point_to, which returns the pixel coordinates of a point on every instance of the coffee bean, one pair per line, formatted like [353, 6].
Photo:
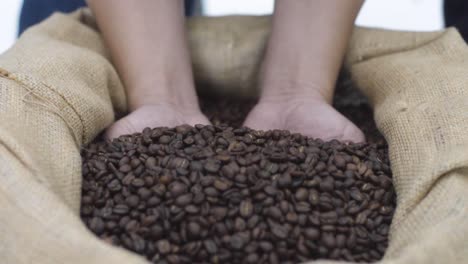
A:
[301, 194]
[292, 217]
[340, 240]
[246, 209]
[386, 210]
[340, 162]
[221, 185]
[361, 218]
[279, 231]
[121, 209]
[163, 246]
[237, 242]
[327, 185]
[132, 200]
[114, 185]
[252, 258]
[275, 213]
[149, 220]
[219, 212]
[96, 225]
[177, 188]
[210, 246]
[212, 166]
[314, 197]
[131, 226]
[184, 199]
[356, 195]
[144, 193]
[271, 190]
[312, 233]
[138, 182]
[239, 224]
[284, 180]
[153, 201]
[191, 209]
[329, 240]
[302, 207]
[351, 241]
[253, 221]
[330, 217]
[164, 139]
[193, 229]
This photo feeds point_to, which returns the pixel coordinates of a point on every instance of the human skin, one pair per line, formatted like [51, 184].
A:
[303, 59]
[148, 45]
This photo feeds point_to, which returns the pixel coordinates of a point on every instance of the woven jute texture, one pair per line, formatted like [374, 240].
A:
[58, 90]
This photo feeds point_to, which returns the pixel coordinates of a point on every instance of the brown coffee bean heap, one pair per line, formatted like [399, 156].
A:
[215, 194]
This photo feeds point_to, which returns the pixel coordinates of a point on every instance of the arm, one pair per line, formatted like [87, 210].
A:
[303, 58]
[147, 42]
[307, 45]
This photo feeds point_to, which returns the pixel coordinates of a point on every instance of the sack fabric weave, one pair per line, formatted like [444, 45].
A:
[58, 90]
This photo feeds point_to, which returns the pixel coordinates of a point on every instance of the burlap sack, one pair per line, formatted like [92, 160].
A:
[58, 90]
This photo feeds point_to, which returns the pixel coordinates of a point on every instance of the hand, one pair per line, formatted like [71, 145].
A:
[155, 115]
[312, 117]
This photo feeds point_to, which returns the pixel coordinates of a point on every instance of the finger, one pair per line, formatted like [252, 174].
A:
[353, 134]
[119, 128]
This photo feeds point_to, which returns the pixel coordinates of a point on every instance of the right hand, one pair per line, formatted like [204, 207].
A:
[311, 116]
[155, 115]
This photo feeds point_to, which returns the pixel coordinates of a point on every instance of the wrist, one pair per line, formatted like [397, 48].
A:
[281, 90]
[179, 97]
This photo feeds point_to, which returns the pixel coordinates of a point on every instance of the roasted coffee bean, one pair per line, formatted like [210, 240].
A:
[145, 193]
[279, 231]
[138, 183]
[192, 209]
[217, 194]
[114, 185]
[329, 240]
[301, 194]
[327, 184]
[312, 233]
[212, 166]
[219, 212]
[340, 162]
[275, 213]
[356, 195]
[164, 139]
[177, 188]
[193, 229]
[303, 207]
[153, 201]
[284, 180]
[132, 200]
[96, 225]
[221, 185]
[210, 246]
[246, 209]
[120, 209]
[184, 199]
[163, 246]
[237, 242]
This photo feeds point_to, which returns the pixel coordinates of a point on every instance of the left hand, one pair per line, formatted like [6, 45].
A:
[310, 116]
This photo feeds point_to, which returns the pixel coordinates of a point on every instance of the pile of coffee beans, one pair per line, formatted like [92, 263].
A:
[217, 194]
